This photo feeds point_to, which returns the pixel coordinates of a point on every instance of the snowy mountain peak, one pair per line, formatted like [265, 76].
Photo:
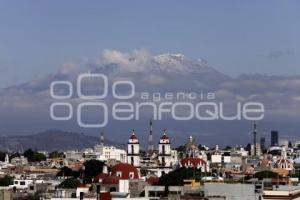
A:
[169, 58]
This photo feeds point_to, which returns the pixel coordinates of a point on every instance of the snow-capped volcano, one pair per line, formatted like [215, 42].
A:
[180, 63]
[142, 68]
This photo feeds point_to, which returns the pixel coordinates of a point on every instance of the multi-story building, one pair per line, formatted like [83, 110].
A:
[274, 138]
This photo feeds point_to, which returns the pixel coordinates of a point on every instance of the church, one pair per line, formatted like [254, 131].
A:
[163, 159]
[152, 162]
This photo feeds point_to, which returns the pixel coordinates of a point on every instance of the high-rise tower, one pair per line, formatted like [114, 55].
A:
[150, 139]
[274, 138]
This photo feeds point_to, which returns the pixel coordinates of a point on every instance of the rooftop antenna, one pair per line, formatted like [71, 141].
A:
[150, 139]
[254, 138]
[102, 138]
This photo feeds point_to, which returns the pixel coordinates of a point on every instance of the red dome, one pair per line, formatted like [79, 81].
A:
[125, 171]
[100, 176]
[282, 161]
[133, 136]
[164, 136]
[111, 180]
[194, 162]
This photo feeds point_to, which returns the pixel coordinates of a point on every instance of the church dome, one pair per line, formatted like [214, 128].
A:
[164, 136]
[192, 162]
[190, 145]
[284, 163]
[164, 139]
[111, 180]
[133, 136]
[125, 171]
[99, 177]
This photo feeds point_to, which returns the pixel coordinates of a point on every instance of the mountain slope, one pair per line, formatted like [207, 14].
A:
[50, 140]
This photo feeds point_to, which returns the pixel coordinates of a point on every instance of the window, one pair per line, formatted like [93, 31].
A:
[132, 160]
[163, 149]
[119, 173]
[131, 175]
[22, 182]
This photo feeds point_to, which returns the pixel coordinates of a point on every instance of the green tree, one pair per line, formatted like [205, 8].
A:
[177, 176]
[55, 154]
[66, 171]
[91, 169]
[6, 181]
[69, 183]
[34, 156]
[266, 174]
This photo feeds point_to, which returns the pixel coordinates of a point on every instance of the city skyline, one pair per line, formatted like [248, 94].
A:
[244, 55]
[144, 100]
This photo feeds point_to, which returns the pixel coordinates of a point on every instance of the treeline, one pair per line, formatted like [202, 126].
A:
[32, 155]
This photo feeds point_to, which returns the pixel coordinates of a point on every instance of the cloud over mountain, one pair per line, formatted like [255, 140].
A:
[157, 73]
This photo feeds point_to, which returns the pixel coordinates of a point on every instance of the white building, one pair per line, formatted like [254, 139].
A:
[221, 157]
[257, 148]
[74, 155]
[105, 153]
[133, 150]
[24, 184]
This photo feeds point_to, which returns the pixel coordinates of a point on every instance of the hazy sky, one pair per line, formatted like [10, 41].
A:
[37, 37]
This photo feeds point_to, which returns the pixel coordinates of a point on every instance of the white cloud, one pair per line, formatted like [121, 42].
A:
[68, 68]
[135, 61]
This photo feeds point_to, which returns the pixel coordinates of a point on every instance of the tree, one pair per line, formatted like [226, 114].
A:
[55, 154]
[69, 183]
[177, 176]
[91, 169]
[34, 156]
[66, 171]
[180, 148]
[6, 181]
[266, 174]
[2, 155]
[14, 155]
[227, 148]
[248, 147]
